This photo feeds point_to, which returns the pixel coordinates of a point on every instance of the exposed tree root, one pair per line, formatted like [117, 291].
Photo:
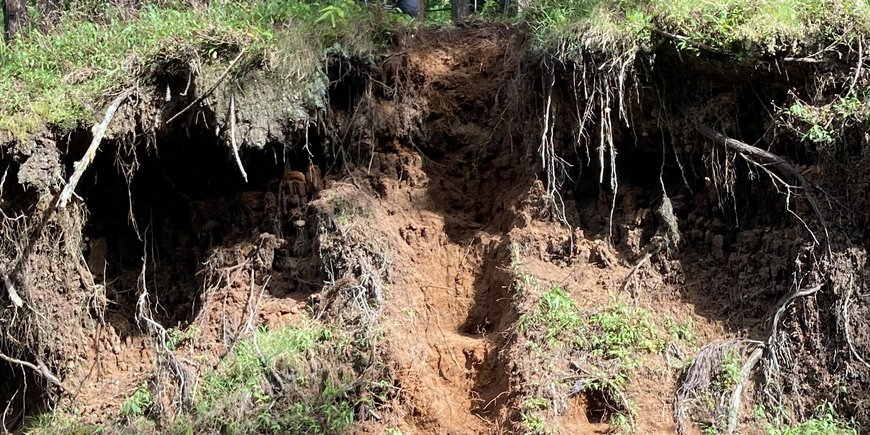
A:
[708, 362]
[233, 138]
[652, 249]
[763, 159]
[701, 377]
[736, 394]
[10, 290]
[39, 368]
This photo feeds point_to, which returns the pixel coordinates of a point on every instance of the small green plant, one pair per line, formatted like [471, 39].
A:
[532, 421]
[684, 331]
[557, 316]
[344, 209]
[729, 375]
[623, 330]
[620, 422]
[317, 404]
[138, 403]
[826, 422]
[175, 337]
[336, 12]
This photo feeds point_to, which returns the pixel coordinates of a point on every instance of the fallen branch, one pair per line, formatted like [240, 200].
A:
[211, 89]
[768, 159]
[81, 165]
[39, 369]
[233, 137]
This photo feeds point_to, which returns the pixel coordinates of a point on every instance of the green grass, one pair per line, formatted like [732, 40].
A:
[741, 27]
[240, 397]
[532, 422]
[66, 76]
[557, 317]
[621, 330]
[826, 422]
[610, 342]
[617, 331]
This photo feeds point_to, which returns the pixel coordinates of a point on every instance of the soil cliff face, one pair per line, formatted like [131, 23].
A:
[523, 245]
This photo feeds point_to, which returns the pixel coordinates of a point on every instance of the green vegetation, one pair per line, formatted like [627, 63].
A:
[557, 316]
[740, 27]
[617, 332]
[680, 331]
[138, 403]
[66, 76]
[609, 342]
[823, 124]
[826, 422]
[620, 330]
[532, 422]
[52, 424]
[268, 385]
[176, 337]
[729, 373]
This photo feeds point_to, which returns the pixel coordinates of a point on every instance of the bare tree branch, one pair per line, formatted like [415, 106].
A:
[39, 368]
[82, 165]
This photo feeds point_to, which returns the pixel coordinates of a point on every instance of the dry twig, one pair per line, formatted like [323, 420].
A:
[82, 165]
[211, 89]
[39, 368]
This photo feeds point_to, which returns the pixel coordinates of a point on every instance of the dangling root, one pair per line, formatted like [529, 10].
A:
[762, 159]
[707, 364]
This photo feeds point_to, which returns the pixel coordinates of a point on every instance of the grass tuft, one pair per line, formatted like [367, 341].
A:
[274, 384]
[63, 78]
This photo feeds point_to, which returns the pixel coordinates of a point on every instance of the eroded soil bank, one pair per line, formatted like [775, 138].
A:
[514, 244]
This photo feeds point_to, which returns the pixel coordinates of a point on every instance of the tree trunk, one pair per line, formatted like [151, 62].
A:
[421, 10]
[14, 17]
[460, 10]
